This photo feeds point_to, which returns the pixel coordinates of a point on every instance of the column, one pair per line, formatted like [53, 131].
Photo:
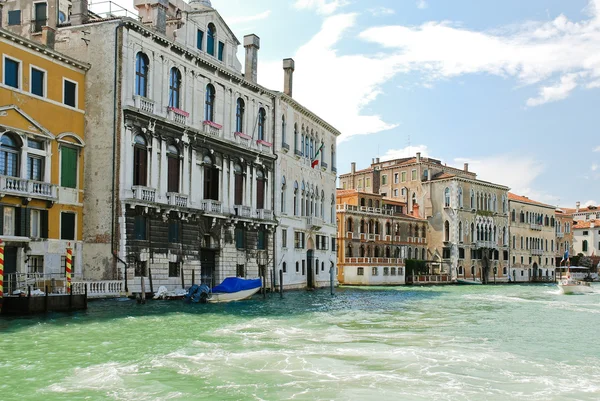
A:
[223, 190]
[247, 193]
[253, 187]
[231, 182]
[193, 178]
[185, 184]
[155, 163]
[162, 188]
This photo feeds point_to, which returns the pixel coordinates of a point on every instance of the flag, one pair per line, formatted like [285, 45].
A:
[565, 256]
[315, 160]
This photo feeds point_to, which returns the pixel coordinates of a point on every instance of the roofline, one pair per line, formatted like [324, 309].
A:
[466, 179]
[219, 15]
[44, 50]
[297, 106]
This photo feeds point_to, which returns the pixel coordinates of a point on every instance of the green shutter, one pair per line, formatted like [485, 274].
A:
[23, 221]
[44, 224]
[68, 167]
[1, 219]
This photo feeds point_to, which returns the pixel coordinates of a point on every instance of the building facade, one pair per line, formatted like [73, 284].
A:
[564, 235]
[375, 239]
[305, 201]
[42, 142]
[583, 213]
[467, 218]
[586, 237]
[533, 235]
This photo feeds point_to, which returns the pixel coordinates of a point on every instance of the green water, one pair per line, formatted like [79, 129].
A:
[445, 343]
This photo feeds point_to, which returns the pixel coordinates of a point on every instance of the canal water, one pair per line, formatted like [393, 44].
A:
[444, 343]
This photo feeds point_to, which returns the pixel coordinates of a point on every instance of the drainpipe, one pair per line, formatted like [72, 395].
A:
[114, 141]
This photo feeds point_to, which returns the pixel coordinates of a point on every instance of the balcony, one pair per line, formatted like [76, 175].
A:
[324, 165]
[285, 146]
[315, 222]
[242, 211]
[241, 138]
[334, 169]
[374, 261]
[537, 227]
[177, 116]
[487, 244]
[297, 153]
[264, 146]
[144, 104]
[371, 237]
[212, 206]
[560, 235]
[264, 214]
[537, 252]
[28, 188]
[177, 199]
[211, 128]
[144, 194]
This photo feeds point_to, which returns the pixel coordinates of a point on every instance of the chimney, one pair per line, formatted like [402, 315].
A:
[377, 160]
[415, 210]
[288, 75]
[353, 167]
[48, 36]
[79, 14]
[466, 167]
[418, 157]
[252, 44]
[577, 206]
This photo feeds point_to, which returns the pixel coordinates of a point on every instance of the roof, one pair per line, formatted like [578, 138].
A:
[441, 176]
[589, 209]
[524, 199]
[294, 103]
[586, 224]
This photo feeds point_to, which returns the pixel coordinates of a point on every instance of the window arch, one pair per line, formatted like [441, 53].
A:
[10, 150]
[173, 168]
[174, 88]
[262, 121]
[423, 254]
[211, 179]
[260, 189]
[239, 115]
[209, 107]
[140, 161]
[296, 138]
[472, 199]
[238, 173]
[447, 231]
[283, 129]
[211, 39]
[141, 74]
[447, 197]
[460, 197]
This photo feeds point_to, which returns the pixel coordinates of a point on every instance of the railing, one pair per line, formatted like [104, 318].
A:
[285, 146]
[371, 237]
[535, 226]
[56, 283]
[242, 211]
[178, 116]
[212, 206]
[144, 193]
[428, 279]
[537, 252]
[314, 221]
[144, 104]
[560, 235]
[374, 261]
[29, 188]
[334, 169]
[264, 214]
[100, 289]
[487, 244]
[210, 128]
[365, 209]
[324, 165]
[177, 199]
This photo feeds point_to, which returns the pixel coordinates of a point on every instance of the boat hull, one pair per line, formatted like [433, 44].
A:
[575, 289]
[217, 297]
[467, 282]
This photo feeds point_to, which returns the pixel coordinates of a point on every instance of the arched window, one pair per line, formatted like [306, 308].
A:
[239, 115]
[295, 198]
[9, 156]
[584, 246]
[362, 226]
[349, 251]
[283, 194]
[362, 251]
[460, 231]
[211, 39]
[388, 228]
[447, 197]
[409, 253]
[423, 254]
[414, 201]
[174, 88]
[140, 161]
[307, 146]
[209, 108]
[370, 202]
[349, 227]
[472, 199]
[211, 179]
[460, 197]
[262, 121]
[283, 130]
[260, 189]
[284, 267]
[141, 74]
[447, 231]
[295, 138]
[173, 168]
[513, 215]
[332, 157]
[238, 184]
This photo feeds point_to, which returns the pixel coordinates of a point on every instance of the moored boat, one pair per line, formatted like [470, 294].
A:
[234, 289]
[464, 281]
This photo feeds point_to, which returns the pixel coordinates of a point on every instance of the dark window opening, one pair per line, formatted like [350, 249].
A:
[67, 226]
[37, 82]
[70, 93]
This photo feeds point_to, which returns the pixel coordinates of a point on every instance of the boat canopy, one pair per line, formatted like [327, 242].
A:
[235, 284]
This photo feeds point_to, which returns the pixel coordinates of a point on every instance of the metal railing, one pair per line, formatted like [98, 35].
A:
[428, 279]
[56, 283]
[375, 261]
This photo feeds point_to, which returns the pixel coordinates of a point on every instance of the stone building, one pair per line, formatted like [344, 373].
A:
[467, 218]
[533, 235]
[583, 213]
[42, 147]
[586, 237]
[375, 237]
[305, 202]
[564, 234]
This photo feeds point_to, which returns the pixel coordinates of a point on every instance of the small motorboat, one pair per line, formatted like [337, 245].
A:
[464, 281]
[570, 286]
[234, 289]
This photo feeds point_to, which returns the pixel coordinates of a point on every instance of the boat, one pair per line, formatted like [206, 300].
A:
[570, 286]
[234, 289]
[231, 289]
[464, 281]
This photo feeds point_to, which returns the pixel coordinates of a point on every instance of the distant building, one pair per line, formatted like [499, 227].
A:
[586, 237]
[42, 143]
[375, 238]
[533, 235]
[467, 218]
[564, 235]
[583, 213]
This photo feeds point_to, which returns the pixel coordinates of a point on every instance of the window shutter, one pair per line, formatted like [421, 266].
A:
[260, 194]
[44, 224]
[173, 174]
[23, 217]
[1, 219]
[239, 185]
[214, 184]
[68, 167]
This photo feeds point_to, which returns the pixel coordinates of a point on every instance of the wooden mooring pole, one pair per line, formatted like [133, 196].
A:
[150, 278]
[281, 283]
[331, 279]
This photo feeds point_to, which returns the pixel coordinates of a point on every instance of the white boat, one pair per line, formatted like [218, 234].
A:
[570, 286]
[464, 281]
[231, 296]
[234, 289]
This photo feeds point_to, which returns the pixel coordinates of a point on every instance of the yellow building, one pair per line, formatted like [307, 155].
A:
[42, 123]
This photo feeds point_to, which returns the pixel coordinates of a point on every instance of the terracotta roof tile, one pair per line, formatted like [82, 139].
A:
[524, 199]
[578, 224]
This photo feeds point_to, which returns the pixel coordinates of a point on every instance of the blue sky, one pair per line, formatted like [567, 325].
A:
[509, 86]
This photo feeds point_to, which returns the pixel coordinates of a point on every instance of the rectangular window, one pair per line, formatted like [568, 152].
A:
[303, 267]
[69, 93]
[221, 50]
[413, 175]
[35, 264]
[395, 193]
[35, 221]
[367, 182]
[39, 145]
[359, 184]
[68, 167]
[386, 271]
[384, 180]
[240, 238]
[37, 83]
[12, 73]
[174, 231]
[35, 168]
[40, 16]
[262, 240]
[140, 228]
[9, 221]
[333, 244]
[404, 176]
[395, 178]
[67, 226]
[298, 240]
[199, 39]
[14, 17]
[284, 238]
[585, 233]
[174, 269]
[360, 271]
[240, 271]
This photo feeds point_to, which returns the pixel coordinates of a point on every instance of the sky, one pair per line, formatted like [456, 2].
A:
[509, 86]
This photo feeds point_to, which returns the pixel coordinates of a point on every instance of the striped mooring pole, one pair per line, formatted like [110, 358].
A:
[1, 273]
[68, 266]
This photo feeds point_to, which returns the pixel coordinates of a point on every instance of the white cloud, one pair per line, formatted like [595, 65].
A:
[596, 149]
[591, 203]
[409, 151]
[422, 4]
[381, 11]
[556, 92]
[594, 166]
[248, 18]
[342, 96]
[320, 6]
